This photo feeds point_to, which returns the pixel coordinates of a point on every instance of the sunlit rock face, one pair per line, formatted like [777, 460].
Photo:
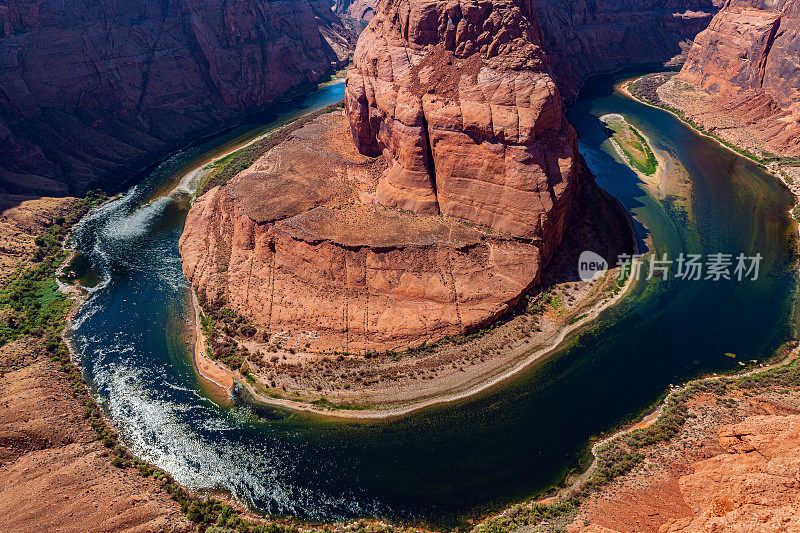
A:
[458, 99]
[425, 209]
[750, 58]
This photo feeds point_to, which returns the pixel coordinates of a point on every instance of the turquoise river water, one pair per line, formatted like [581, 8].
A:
[474, 456]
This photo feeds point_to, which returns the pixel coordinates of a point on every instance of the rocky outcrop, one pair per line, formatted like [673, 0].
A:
[749, 60]
[298, 245]
[90, 90]
[753, 485]
[459, 101]
[582, 38]
[737, 476]
[455, 120]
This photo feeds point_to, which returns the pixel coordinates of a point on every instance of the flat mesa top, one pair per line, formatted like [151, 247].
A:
[317, 187]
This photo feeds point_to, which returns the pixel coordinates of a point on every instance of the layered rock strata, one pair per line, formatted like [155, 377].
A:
[432, 221]
[298, 245]
[748, 60]
[90, 90]
[584, 38]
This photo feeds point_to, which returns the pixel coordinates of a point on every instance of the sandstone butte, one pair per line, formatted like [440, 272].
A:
[454, 190]
[749, 60]
[431, 219]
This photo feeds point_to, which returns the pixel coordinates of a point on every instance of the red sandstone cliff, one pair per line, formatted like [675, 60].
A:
[749, 59]
[459, 101]
[457, 104]
[585, 37]
[91, 90]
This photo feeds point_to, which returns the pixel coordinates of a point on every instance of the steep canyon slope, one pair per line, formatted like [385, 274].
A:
[748, 61]
[91, 91]
[586, 37]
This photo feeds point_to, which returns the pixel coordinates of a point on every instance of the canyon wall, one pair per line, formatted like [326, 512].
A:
[591, 36]
[749, 60]
[358, 9]
[92, 91]
[586, 37]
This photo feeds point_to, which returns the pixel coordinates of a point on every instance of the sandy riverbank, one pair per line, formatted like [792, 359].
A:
[209, 370]
[225, 378]
[789, 177]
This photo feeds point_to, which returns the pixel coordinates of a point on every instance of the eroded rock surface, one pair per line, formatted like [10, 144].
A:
[299, 245]
[749, 61]
[459, 101]
[582, 38]
[753, 485]
[433, 220]
[89, 90]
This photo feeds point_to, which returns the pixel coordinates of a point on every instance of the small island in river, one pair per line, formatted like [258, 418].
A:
[633, 147]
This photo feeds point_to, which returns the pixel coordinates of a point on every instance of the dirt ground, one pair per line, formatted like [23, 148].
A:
[21, 220]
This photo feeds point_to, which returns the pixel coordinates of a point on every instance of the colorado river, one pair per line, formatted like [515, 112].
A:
[452, 461]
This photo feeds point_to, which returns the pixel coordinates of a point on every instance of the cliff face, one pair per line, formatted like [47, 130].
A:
[458, 123]
[585, 37]
[749, 58]
[358, 9]
[298, 245]
[459, 101]
[750, 45]
[89, 90]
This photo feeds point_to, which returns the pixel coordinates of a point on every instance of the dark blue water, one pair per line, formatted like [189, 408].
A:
[467, 458]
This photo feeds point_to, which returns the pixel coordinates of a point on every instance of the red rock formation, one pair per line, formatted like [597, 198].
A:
[582, 37]
[456, 102]
[753, 486]
[748, 482]
[473, 146]
[88, 89]
[749, 58]
[459, 101]
[297, 244]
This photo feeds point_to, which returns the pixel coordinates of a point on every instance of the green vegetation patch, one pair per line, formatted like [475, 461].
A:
[632, 143]
[31, 302]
